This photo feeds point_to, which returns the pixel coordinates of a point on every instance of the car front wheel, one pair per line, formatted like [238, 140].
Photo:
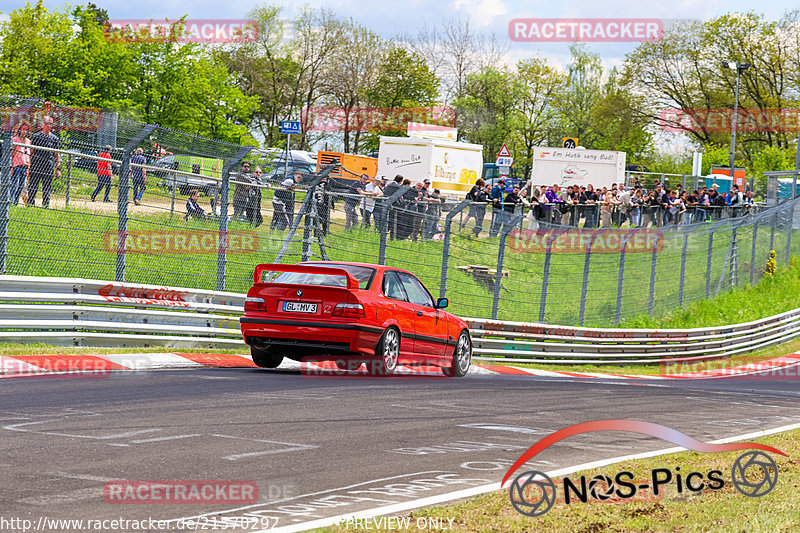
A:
[462, 357]
[387, 354]
[265, 358]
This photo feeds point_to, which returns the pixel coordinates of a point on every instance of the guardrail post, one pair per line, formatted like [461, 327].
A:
[387, 211]
[446, 248]
[585, 285]
[753, 252]
[546, 275]
[5, 177]
[224, 194]
[651, 298]
[122, 197]
[682, 283]
[621, 274]
[501, 253]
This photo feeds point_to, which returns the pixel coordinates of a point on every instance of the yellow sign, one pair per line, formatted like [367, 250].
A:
[570, 142]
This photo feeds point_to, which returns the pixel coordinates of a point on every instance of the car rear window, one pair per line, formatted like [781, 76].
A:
[364, 276]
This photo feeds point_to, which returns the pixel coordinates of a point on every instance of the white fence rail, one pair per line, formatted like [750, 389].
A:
[79, 312]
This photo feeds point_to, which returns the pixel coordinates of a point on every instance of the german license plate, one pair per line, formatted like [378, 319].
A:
[299, 307]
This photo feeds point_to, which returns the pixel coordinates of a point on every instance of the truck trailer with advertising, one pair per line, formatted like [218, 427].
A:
[452, 167]
[576, 166]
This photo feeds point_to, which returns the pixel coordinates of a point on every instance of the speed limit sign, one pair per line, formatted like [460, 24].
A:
[570, 142]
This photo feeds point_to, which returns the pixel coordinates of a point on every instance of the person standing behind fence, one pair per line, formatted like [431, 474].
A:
[138, 175]
[389, 190]
[103, 174]
[43, 162]
[472, 196]
[281, 202]
[352, 200]
[368, 202]
[496, 196]
[241, 190]
[20, 161]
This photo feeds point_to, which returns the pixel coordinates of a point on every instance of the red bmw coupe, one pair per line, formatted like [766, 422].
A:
[351, 313]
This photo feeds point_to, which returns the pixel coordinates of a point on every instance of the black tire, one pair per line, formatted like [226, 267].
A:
[350, 365]
[387, 354]
[462, 357]
[265, 358]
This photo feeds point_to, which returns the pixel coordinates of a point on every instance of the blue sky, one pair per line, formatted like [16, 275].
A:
[391, 18]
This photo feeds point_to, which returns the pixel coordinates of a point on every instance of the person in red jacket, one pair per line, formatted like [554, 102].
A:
[103, 174]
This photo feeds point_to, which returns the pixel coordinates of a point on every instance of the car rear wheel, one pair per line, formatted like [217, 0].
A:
[462, 357]
[387, 354]
[352, 366]
[265, 358]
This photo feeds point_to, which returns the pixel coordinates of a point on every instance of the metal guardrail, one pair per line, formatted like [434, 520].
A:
[80, 312]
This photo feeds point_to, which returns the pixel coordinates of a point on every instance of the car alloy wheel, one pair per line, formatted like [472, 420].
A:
[462, 357]
[388, 354]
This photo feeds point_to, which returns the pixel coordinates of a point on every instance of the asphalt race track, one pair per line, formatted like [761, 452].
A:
[320, 447]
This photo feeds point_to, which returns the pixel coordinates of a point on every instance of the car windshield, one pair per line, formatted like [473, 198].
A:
[364, 276]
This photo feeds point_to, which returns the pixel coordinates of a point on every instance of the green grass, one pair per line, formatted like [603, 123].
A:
[75, 242]
[723, 511]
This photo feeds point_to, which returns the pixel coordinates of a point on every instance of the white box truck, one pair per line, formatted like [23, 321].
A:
[575, 166]
[451, 166]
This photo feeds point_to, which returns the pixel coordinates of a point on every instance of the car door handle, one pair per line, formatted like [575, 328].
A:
[419, 313]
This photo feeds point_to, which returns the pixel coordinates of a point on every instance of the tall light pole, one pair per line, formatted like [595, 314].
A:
[739, 68]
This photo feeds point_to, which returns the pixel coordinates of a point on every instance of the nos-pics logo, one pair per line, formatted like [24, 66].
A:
[533, 493]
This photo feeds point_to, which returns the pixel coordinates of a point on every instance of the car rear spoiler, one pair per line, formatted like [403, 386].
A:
[352, 282]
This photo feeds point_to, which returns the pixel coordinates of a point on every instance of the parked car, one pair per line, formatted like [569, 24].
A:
[278, 173]
[351, 313]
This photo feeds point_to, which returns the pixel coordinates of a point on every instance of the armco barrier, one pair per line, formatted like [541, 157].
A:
[80, 312]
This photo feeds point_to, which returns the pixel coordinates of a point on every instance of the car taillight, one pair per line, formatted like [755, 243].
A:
[255, 304]
[349, 310]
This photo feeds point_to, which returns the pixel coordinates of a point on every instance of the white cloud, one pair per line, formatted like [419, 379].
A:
[481, 12]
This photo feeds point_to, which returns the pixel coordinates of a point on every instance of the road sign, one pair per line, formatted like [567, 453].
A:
[570, 142]
[290, 127]
[504, 158]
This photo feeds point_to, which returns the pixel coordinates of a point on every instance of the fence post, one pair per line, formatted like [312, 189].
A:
[224, 194]
[585, 285]
[546, 275]
[753, 252]
[683, 268]
[446, 248]
[772, 233]
[621, 274]
[708, 264]
[791, 228]
[387, 211]
[5, 179]
[501, 252]
[122, 197]
[69, 178]
[651, 298]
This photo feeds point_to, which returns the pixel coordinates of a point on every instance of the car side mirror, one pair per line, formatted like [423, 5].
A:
[441, 303]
